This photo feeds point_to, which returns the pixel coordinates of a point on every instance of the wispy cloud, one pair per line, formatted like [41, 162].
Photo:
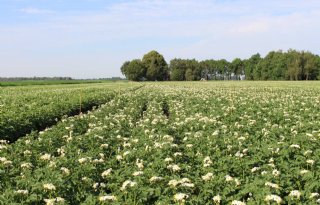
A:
[32, 10]
[107, 35]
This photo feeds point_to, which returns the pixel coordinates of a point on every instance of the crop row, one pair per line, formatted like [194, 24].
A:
[169, 144]
[23, 109]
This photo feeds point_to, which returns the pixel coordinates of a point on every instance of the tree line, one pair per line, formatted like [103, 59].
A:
[10, 79]
[276, 65]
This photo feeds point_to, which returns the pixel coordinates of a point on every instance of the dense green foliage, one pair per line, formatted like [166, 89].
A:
[134, 70]
[23, 109]
[185, 70]
[176, 143]
[276, 65]
[152, 67]
[157, 68]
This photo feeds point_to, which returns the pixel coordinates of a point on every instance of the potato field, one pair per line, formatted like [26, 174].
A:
[162, 143]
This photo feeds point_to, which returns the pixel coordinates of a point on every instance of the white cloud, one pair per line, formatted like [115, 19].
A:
[252, 27]
[32, 10]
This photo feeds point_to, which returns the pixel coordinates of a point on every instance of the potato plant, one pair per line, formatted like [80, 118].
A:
[168, 143]
[23, 109]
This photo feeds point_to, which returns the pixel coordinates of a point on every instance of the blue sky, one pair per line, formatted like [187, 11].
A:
[92, 38]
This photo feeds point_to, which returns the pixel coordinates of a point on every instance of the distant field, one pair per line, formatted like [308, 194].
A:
[167, 143]
[52, 82]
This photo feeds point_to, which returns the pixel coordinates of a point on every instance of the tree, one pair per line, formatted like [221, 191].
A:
[251, 65]
[237, 67]
[189, 75]
[276, 65]
[177, 69]
[294, 67]
[272, 67]
[204, 67]
[279, 66]
[223, 67]
[209, 69]
[310, 65]
[156, 66]
[193, 70]
[124, 67]
[135, 70]
[266, 66]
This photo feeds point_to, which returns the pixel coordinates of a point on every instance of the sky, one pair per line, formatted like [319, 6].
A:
[92, 38]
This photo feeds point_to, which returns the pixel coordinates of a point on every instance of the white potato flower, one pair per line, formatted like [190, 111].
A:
[295, 194]
[49, 201]
[235, 202]
[22, 192]
[65, 170]
[139, 163]
[254, 169]
[307, 152]
[190, 185]
[3, 159]
[137, 173]
[180, 197]
[174, 167]
[276, 172]
[295, 146]
[58, 200]
[237, 181]
[126, 153]
[106, 173]
[310, 161]
[128, 183]
[107, 198]
[104, 145]
[207, 177]
[177, 154]
[272, 185]
[228, 178]
[27, 152]
[173, 183]
[26, 165]
[45, 157]
[49, 187]
[207, 161]
[304, 171]
[217, 199]
[274, 198]
[155, 179]
[314, 195]
[168, 159]
[82, 160]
